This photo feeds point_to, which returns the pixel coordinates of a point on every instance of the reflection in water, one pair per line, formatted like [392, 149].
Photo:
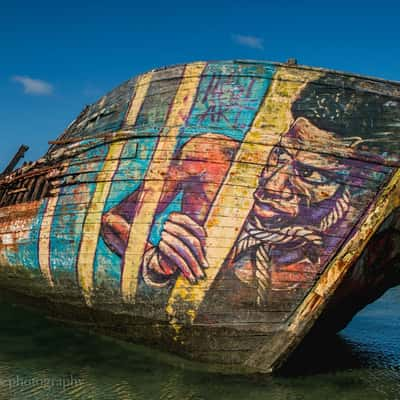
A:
[40, 359]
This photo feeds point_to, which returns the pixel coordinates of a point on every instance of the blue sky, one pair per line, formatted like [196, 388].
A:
[56, 57]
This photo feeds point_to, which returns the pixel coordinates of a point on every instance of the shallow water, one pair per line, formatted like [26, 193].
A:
[39, 359]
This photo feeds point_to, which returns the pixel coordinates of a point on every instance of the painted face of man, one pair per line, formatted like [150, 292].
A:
[296, 179]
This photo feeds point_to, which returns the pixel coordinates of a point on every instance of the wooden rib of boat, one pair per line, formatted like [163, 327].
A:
[223, 210]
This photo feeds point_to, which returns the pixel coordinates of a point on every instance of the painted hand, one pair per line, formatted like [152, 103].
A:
[182, 248]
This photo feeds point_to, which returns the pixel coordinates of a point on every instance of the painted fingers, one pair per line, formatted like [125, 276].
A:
[182, 244]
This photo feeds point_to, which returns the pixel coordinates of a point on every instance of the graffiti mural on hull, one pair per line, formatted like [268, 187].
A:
[217, 192]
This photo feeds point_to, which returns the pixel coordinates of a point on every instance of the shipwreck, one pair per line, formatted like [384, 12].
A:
[223, 211]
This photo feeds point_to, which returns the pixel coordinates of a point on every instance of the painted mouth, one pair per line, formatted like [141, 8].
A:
[269, 205]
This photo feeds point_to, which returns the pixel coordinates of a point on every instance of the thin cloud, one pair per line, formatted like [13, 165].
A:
[253, 42]
[34, 86]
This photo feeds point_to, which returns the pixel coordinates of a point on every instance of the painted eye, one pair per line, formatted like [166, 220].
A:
[306, 172]
[312, 175]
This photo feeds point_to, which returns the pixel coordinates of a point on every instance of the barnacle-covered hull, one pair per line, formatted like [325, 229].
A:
[218, 210]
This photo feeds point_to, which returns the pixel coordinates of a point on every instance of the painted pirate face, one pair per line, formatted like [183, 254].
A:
[296, 179]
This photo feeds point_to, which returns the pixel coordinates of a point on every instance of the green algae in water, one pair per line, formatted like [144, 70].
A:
[41, 359]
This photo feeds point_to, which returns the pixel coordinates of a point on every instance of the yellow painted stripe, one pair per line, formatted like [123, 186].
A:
[92, 225]
[272, 120]
[154, 180]
[44, 238]
[142, 87]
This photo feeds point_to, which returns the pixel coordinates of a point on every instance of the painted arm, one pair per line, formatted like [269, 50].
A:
[201, 168]
[198, 172]
[116, 223]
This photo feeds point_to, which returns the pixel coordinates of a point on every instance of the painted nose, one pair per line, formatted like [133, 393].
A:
[278, 183]
[279, 190]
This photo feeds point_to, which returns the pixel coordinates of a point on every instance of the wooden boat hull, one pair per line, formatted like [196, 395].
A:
[220, 210]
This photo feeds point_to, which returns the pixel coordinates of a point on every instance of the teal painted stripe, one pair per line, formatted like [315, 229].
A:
[70, 213]
[135, 160]
[228, 99]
